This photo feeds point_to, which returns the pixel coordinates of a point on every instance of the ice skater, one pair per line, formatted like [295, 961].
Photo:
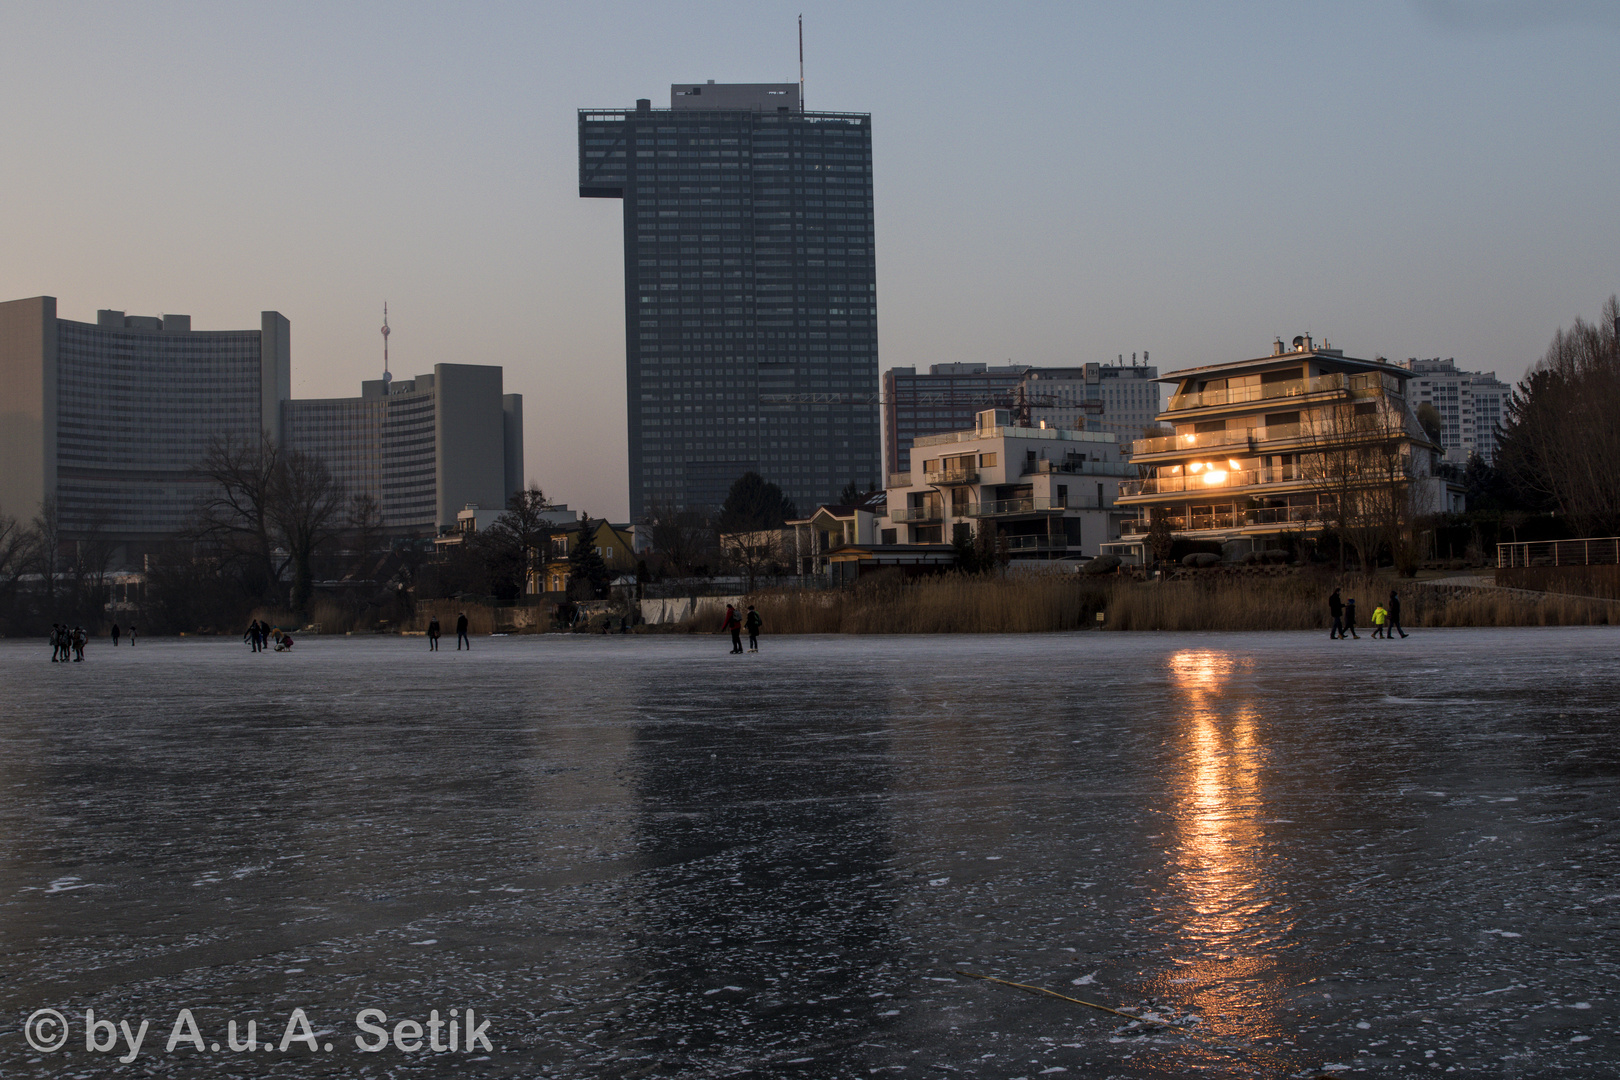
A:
[1394, 618]
[80, 640]
[1350, 620]
[1380, 614]
[461, 632]
[56, 643]
[132, 636]
[733, 624]
[114, 633]
[753, 622]
[250, 635]
[433, 634]
[1336, 609]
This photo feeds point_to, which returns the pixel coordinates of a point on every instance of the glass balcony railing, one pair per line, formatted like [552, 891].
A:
[959, 475]
[930, 512]
[1232, 519]
[1321, 384]
[1039, 504]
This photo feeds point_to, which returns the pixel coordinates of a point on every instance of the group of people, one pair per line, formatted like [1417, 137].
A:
[461, 633]
[1386, 619]
[67, 642]
[738, 623]
[261, 635]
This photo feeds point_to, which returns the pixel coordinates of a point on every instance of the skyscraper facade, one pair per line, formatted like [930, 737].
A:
[749, 291]
[1472, 406]
[109, 422]
[947, 398]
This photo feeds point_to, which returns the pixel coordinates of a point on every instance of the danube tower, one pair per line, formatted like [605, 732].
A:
[750, 291]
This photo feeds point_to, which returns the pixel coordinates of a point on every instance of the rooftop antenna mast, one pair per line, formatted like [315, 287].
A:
[801, 62]
[387, 378]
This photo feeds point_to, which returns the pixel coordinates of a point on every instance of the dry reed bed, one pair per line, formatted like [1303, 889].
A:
[960, 604]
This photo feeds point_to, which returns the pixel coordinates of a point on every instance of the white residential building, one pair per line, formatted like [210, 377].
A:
[1472, 405]
[1047, 492]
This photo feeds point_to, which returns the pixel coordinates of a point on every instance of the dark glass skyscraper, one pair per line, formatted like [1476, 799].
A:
[750, 301]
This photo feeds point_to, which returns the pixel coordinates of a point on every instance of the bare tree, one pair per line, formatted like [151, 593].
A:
[517, 542]
[306, 508]
[365, 527]
[683, 538]
[235, 516]
[754, 554]
[1357, 459]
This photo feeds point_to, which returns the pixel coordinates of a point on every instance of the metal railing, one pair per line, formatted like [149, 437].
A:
[1039, 504]
[928, 512]
[951, 476]
[1597, 551]
[1077, 467]
[1255, 437]
[1320, 384]
[1234, 519]
[1035, 543]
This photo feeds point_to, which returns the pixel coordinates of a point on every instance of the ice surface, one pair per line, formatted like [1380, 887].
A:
[642, 856]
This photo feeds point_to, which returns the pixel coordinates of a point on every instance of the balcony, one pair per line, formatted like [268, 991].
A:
[1321, 384]
[1212, 480]
[899, 480]
[1255, 438]
[1035, 543]
[917, 514]
[1235, 519]
[1077, 467]
[958, 475]
[1008, 507]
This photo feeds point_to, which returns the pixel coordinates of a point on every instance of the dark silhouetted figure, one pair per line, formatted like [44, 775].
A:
[733, 624]
[433, 634]
[1394, 617]
[1350, 619]
[114, 633]
[1336, 609]
[251, 636]
[753, 622]
[461, 632]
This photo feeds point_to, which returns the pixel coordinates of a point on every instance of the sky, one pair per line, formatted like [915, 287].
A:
[1054, 183]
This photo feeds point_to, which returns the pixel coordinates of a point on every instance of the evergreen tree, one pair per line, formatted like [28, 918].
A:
[587, 574]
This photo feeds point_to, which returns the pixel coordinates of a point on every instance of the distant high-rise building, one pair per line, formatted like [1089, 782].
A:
[1119, 399]
[1472, 405]
[947, 398]
[749, 290]
[423, 448]
[112, 419]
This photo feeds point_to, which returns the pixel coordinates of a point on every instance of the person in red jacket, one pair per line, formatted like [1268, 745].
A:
[733, 624]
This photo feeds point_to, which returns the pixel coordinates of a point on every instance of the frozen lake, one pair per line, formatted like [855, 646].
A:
[643, 857]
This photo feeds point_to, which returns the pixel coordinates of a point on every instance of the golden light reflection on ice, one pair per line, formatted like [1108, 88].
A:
[1229, 916]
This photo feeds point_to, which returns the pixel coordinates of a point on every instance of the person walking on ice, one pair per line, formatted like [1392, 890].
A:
[433, 634]
[461, 632]
[733, 624]
[753, 622]
[1349, 620]
[1394, 618]
[1336, 609]
[1379, 615]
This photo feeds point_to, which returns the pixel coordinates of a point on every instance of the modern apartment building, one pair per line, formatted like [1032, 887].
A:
[749, 290]
[423, 448]
[111, 420]
[1472, 405]
[1046, 492]
[947, 398]
[1254, 454]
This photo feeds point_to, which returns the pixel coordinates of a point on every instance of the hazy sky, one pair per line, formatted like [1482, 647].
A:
[1055, 183]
